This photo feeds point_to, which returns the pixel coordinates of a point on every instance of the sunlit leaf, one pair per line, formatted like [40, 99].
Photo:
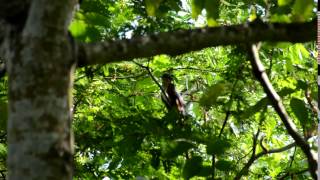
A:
[283, 2]
[302, 10]
[152, 6]
[212, 93]
[78, 28]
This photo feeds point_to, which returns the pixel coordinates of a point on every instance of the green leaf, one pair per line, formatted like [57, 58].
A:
[152, 6]
[192, 167]
[283, 2]
[212, 9]
[205, 171]
[224, 165]
[155, 160]
[78, 28]
[302, 10]
[114, 162]
[286, 91]
[218, 146]
[300, 111]
[196, 7]
[261, 104]
[301, 84]
[212, 93]
[175, 5]
[3, 151]
[176, 148]
[289, 64]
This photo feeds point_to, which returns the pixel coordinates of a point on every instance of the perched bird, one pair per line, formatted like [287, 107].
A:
[172, 99]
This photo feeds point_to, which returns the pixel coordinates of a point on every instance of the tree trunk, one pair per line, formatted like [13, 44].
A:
[39, 136]
[40, 69]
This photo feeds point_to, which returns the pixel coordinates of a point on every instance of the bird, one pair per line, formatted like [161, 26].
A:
[170, 97]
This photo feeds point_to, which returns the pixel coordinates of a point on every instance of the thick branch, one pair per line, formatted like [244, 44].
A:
[49, 20]
[275, 99]
[184, 41]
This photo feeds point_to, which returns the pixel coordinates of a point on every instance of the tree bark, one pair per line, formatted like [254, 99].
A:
[40, 64]
[184, 41]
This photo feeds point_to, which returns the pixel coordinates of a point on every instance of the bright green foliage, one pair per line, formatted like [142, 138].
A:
[283, 2]
[124, 131]
[212, 94]
[302, 10]
[122, 128]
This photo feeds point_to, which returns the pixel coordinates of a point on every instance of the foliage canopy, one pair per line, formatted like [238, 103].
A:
[123, 130]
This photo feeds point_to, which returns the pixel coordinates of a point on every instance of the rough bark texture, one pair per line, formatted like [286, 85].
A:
[40, 69]
[184, 41]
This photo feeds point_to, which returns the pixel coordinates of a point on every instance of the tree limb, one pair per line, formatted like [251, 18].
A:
[184, 41]
[260, 74]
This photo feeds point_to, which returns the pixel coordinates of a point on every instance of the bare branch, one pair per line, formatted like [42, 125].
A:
[254, 157]
[292, 173]
[184, 41]
[260, 74]
[278, 150]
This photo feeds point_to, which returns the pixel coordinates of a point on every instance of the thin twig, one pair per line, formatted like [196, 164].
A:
[196, 69]
[154, 79]
[125, 77]
[252, 158]
[292, 173]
